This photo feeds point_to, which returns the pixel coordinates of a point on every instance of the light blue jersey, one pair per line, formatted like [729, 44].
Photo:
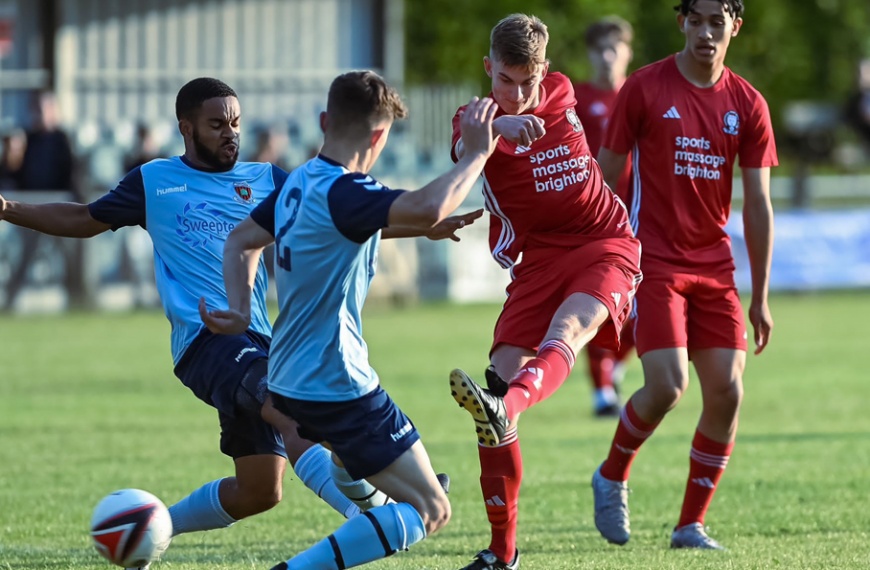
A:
[188, 213]
[326, 222]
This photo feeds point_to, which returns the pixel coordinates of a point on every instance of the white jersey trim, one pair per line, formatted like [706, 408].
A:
[507, 236]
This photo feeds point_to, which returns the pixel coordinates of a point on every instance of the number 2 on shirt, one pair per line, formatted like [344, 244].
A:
[294, 196]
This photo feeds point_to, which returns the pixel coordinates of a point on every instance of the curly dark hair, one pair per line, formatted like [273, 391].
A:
[196, 92]
[733, 7]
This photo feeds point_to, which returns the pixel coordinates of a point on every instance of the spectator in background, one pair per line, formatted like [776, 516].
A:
[47, 163]
[272, 147]
[858, 105]
[11, 156]
[47, 144]
[608, 45]
[145, 148]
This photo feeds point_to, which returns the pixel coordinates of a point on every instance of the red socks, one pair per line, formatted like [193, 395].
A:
[707, 462]
[540, 377]
[630, 435]
[501, 472]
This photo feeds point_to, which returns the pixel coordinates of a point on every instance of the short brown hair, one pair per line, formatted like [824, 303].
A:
[519, 40]
[359, 100]
[606, 27]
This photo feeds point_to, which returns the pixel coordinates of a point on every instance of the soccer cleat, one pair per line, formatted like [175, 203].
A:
[488, 410]
[444, 479]
[487, 560]
[611, 508]
[495, 383]
[693, 536]
[282, 566]
[146, 567]
[607, 411]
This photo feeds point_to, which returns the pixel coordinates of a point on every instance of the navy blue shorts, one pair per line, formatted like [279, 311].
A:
[228, 372]
[368, 434]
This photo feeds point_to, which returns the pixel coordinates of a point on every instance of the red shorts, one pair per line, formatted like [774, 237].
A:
[690, 311]
[607, 269]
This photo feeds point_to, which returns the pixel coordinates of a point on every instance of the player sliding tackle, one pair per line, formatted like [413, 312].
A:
[326, 222]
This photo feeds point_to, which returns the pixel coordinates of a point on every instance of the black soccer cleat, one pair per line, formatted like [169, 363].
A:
[495, 383]
[487, 560]
[487, 410]
[282, 566]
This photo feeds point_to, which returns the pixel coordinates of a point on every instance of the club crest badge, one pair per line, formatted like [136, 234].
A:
[732, 123]
[574, 119]
[243, 193]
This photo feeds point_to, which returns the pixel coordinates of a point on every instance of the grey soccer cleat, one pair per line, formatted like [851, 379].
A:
[444, 480]
[693, 536]
[487, 410]
[611, 508]
[146, 567]
[487, 560]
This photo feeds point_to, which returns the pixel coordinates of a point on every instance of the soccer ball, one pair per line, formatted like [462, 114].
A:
[131, 528]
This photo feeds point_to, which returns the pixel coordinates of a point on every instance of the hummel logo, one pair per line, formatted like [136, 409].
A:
[704, 482]
[495, 502]
[672, 113]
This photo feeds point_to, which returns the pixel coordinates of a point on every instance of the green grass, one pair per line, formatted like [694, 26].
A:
[88, 404]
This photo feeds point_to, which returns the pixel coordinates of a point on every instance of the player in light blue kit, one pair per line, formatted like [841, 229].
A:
[326, 222]
[189, 204]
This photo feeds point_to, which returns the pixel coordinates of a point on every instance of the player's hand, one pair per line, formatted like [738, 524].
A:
[762, 322]
[223, 321]
[447, 228]
[520, 129]
[2, 207]
[475, 124]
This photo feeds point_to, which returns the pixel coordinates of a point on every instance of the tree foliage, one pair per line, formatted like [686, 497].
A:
[806, 50]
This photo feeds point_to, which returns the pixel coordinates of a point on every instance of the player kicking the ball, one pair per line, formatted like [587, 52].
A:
[685, 119]
[579, 269]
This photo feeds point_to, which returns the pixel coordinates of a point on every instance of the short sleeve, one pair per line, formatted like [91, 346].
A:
[360, 205]
[626, 120]
[124, 205]
[757, 141]
[264, 213]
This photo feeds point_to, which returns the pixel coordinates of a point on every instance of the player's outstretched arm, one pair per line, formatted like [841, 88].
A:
[758, 230]
[64, 219]
[445, 229]
[242, 252]
[611, 165]
[431, 204]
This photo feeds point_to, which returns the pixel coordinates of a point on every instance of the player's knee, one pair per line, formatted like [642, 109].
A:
[263, 499]
[729, 397]
[436, 514]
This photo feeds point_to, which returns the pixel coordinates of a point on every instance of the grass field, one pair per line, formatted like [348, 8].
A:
[88, 404]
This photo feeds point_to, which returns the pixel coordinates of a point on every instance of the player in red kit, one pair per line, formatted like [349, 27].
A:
[608, 44]
[579, 267]
[685, 120]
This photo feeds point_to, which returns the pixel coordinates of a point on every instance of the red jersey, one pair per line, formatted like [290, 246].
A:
[684, 140]
[551, 194]
[594, 106]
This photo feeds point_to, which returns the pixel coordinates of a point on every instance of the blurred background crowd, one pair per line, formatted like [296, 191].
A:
[87, 92]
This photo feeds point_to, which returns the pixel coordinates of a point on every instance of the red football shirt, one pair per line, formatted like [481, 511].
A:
[684, 140]
[551, 194]
[594, 106]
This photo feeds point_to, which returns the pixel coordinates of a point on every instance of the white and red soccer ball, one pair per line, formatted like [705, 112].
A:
[131, 528]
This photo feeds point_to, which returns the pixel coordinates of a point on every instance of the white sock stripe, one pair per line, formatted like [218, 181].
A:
[632, 429]
[561, 347]
[510, 436]
[719, 461]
